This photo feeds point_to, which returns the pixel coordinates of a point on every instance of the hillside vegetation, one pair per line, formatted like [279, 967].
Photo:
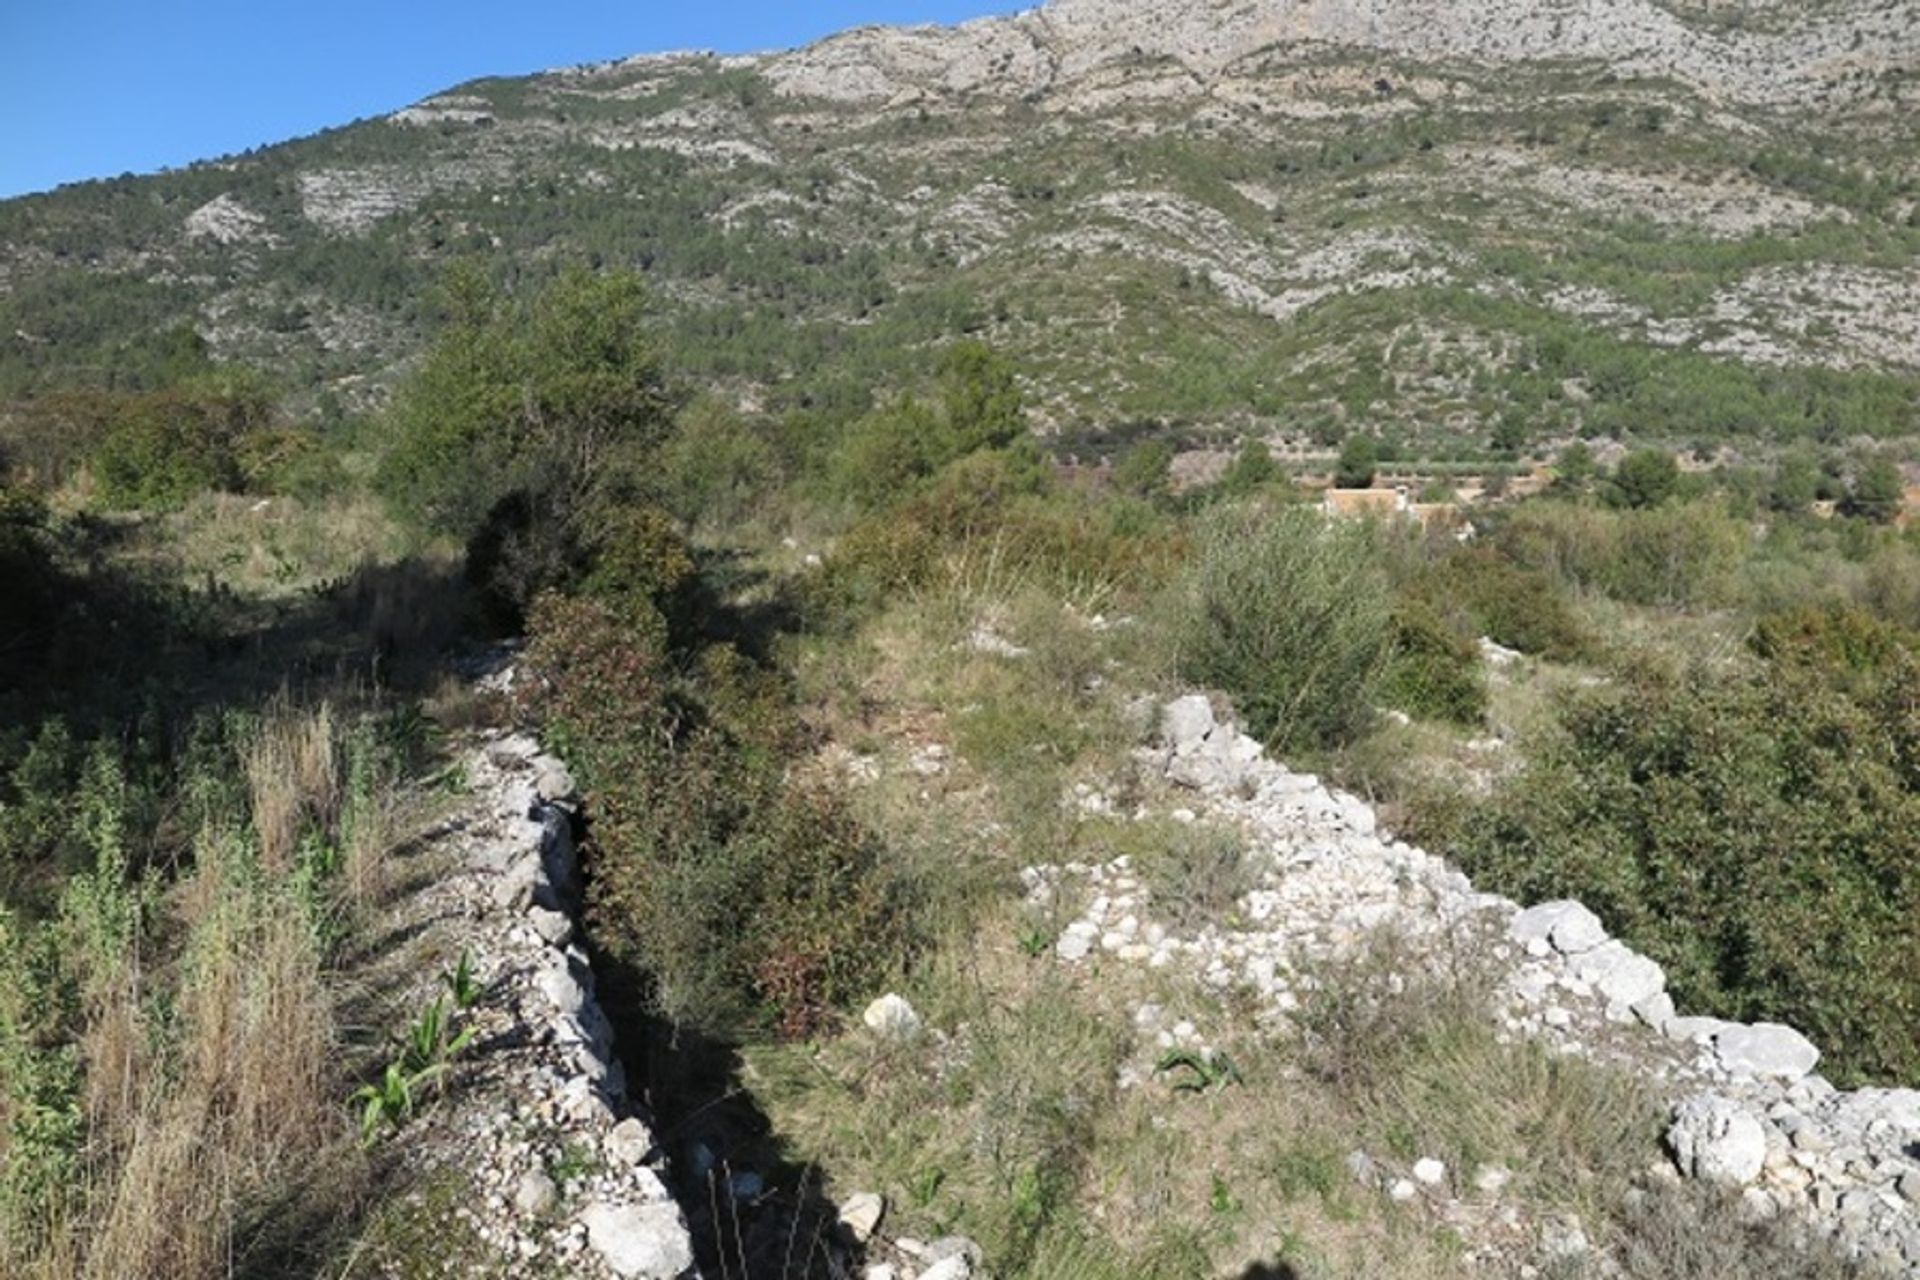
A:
[860, 446]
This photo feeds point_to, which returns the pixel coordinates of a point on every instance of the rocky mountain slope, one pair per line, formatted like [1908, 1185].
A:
[1602, 213]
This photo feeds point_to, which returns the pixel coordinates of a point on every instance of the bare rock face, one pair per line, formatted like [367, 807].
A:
[224, 220]
[1045, 50]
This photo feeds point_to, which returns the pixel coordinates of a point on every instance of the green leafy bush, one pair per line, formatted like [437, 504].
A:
[1485, 593]
[164, 447]
[1435, 671]
[1679, 554]
[535, 396]
[1644, 478]
[1359, 460]
[1253, 468]
[975, 405]
[1757, 833]
[748, 900]
[1289, 615]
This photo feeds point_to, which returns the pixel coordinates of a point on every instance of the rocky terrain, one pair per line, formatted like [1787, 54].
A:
[563, 1171]
[1748, 1111]
[556, 1168]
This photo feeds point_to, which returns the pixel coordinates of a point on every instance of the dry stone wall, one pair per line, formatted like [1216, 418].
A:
[1748, 1109]
[565, 1173]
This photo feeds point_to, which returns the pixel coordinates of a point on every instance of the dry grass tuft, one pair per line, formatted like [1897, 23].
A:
[293, 778]
[212, 1083]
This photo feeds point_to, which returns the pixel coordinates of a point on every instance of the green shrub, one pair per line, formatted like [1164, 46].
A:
[534, 397]
[165, 447]
[873, 560]
[715, 467]
[972, 495]
[1877, 492]
[1485, 593]
[1680, 554]
[1435, 671]
[1359, 460]
[1644, 478]
[1287, 614]
[747, 899]
[1758, 832]
[1143, 470]
[1253, 469]
[975, 405]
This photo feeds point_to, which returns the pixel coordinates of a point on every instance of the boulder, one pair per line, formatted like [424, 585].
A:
[555, 928]
[1566, 924]
[535, 1193]
[1209, 766]
[1695, 1029]
[629, 1143]
[1717, 1140]
[556, 982]
[892, 1018]
[951, 1258]
[1185, 722]
[1765, 1049]
[1621, 976]
[861, 1214]
[1656, 1010]
[647, 1241]
[554, 782]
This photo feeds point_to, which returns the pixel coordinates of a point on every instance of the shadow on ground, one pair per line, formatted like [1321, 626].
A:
[753, 1214]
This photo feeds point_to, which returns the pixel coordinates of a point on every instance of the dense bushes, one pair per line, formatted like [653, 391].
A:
[1679, 554]
[1435, 671]
[1758, 833]
[748, 900]
[975, 405]
[1289, 615]
[166, 447]
[1484, 593]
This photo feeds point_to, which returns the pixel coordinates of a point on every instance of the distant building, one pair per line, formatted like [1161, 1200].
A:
[1349, 504]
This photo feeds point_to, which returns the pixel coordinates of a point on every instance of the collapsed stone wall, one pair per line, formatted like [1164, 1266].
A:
[1748, 1110]
[565, 1172]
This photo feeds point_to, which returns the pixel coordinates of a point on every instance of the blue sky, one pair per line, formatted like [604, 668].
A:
[91, 89]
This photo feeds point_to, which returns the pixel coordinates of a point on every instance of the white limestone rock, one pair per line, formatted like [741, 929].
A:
[892, 1018]
[1185, 722]
[1765, 1049]
[1620, 976]
[645, 1242]
[1717, 1140]
[1566, 924]
[860, 1214]
[535, 1194]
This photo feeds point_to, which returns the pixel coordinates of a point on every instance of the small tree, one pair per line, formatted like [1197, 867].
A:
[1796, 483]
[1359, 461]
[1253, 468]
[1645, 478]
[1289, 615]
[1878, 491]
[1574, 468]
[529, 397]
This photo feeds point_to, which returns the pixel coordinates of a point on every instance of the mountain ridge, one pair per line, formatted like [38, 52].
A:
[1215, 228]
[1065, 39]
